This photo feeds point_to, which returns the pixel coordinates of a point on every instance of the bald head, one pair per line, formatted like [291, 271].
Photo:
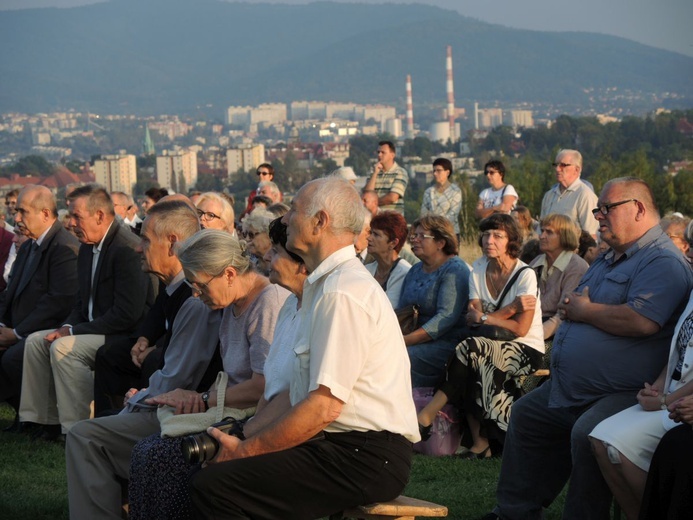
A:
[36, 210]
[630, 212]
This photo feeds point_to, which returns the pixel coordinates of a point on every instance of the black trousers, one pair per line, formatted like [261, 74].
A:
[11, 365]
[669, 490]
[317, 478]
[115, 374]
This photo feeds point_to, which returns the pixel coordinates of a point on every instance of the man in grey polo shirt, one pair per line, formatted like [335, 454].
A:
[571, 196]
[615, 335]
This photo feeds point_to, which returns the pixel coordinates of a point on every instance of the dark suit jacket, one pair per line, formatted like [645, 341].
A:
[44, 300]
[122, 293]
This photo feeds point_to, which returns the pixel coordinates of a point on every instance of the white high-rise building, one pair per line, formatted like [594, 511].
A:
[244, 158]
[174, 164]
[490, 117]
[519, 118]
[116, 172]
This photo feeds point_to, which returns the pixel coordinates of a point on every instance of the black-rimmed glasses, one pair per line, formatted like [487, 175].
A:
[605, 208]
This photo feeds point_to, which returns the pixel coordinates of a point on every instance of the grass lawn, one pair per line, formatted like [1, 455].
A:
[34, 485]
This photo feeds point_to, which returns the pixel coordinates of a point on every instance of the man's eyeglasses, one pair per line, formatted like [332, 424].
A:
[10, 203]
[419, 236]
[560, 165]
[263, 173]
[605, 208]
[206, 216]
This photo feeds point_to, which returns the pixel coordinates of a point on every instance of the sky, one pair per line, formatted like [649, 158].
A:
[665, 24]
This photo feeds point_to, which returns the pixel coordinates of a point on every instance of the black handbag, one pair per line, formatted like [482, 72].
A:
[495, 332]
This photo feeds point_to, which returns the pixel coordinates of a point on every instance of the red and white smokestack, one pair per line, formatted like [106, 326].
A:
[451, 95]
[410, 110]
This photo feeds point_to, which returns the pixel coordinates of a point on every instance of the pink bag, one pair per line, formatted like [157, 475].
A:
[445, 431]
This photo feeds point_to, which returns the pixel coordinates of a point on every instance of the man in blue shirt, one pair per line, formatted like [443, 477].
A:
[615, 335]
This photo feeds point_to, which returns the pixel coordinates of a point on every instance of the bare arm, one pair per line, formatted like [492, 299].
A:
[300, 423]
[416, 337]
[267, 413]
[619, 320]
[389, 198]
[514, 317]
[504, 207]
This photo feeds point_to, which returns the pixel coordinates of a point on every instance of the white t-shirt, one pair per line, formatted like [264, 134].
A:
[526, 283]
[351, 343]
[492, 197]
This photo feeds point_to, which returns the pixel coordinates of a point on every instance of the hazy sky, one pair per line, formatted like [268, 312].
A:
[660, 23]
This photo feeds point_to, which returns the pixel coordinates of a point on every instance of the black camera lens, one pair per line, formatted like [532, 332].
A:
[199, 448]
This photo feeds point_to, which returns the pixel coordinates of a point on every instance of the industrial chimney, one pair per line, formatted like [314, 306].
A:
[451, 95]
[410, 110]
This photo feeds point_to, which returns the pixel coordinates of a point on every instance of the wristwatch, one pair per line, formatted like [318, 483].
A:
[205, 399]
[663, 401]
[483, 318]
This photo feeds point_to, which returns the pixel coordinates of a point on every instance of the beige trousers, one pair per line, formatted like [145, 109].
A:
[58, 380]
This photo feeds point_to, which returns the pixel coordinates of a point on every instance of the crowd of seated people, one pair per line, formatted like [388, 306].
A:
[150, 313]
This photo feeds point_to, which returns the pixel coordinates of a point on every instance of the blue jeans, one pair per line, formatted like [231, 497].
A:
[429, 361]
[544, 447]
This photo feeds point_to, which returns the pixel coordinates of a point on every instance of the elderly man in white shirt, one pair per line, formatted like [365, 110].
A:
[346, 440]
[571, 196]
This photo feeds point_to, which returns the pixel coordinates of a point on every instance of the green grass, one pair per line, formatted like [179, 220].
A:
[34, 486]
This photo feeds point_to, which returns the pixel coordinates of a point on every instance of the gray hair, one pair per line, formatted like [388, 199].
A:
[97, 198]
[340, 200]
[270, 184]
[210, 251]
[574, 154]
[258, 221]
[227, 216]
[173, 217]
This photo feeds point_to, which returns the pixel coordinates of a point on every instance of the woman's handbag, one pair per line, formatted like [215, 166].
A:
[408, 318]
[188, 423]
[495, 332]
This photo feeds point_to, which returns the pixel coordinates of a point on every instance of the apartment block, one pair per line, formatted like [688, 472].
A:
[116, 172]
[244, 158]
[171, 165]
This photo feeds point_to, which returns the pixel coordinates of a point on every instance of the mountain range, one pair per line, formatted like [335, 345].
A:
[158, 56]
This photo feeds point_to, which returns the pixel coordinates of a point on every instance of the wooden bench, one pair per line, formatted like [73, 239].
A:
[401, 508]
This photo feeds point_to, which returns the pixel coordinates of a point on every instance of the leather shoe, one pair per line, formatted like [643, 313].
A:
[47, 432]
[470, 455]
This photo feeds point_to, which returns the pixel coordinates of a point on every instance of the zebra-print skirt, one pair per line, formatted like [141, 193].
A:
[482, 377]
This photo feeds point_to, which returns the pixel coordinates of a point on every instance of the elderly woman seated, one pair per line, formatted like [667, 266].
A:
[256, 233]
[439, 285]
[215, 212]
[558, 268]
[388, 234]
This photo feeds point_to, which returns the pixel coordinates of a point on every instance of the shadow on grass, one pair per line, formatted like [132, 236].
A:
[34, 484]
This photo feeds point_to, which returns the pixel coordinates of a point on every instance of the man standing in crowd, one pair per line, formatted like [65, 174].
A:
[42, 289]
[98, 450]
[346, 440]
[389, 179]
[571, 196]
[623, 315]
[265, 173]
[113, 297]
[270, 190]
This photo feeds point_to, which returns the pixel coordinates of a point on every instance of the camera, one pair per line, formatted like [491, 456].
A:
[201, 447]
